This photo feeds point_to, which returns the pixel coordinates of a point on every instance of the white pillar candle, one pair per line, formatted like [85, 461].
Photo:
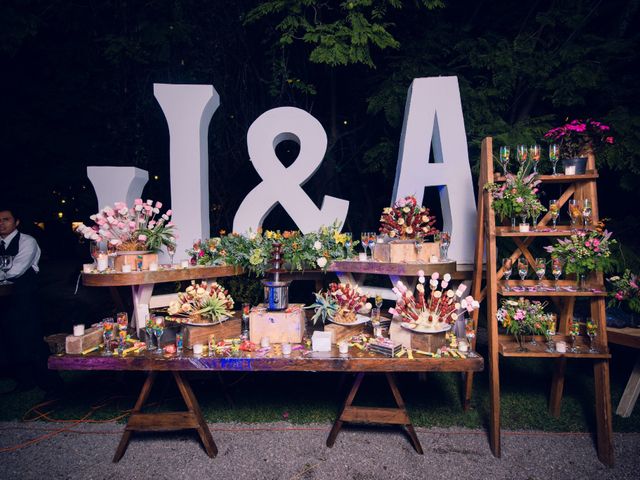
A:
[264, 342]
[78, 330]
[197, 349]
[524, 227]
[286, 348]
[87, 268]
[434, 259]
[184, 263]
[561, 347]
[343, 347]
[570, 170]
[362, 257]
[153, 267]
[126, 268]
[463, 346]
[103, 262]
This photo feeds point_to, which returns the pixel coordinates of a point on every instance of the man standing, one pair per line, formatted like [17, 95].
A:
[21, 341]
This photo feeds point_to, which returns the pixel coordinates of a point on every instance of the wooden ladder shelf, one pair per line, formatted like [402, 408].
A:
[579, 187]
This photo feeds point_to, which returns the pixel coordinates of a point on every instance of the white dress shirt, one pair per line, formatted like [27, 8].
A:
[28, 254]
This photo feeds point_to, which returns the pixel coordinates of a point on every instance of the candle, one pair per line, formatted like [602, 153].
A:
[87, 268]
[362, 257]
[103, 262]
[286, 348]
[524, 227]
[343, 347]
[184, 264]
[434, 259]
[561, 347]
[126, 268]
[264, 342]
[153, 267]
[78, 330]
[570, 170]
[197, 349]
[463, 346]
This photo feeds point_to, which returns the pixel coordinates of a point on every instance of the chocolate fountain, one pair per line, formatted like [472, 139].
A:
[276, 293]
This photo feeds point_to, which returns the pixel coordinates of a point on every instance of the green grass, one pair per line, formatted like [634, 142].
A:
[316, 397]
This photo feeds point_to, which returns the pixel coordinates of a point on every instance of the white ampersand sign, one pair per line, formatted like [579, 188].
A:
[282, 184]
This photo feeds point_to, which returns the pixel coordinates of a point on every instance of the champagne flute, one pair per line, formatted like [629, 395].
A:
[521, 155]
[507, 270]
[587, 212]
[523, 268]
[505, 153]
[540, 266]
[171, 250]
[107, 335]
[554, 211]
[534, 154]
[364, 240]
[554, 155]
[592, 332]
[556, 270]
[371, 241]
[148, 328]
[6, 262]
[574, 212]
[445, 241]
[94, 249]
[378, 300]
[348, 240]
[417, 241]
[550, 331]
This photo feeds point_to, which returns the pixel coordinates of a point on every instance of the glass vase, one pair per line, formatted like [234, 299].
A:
[521, 341]
[582, 282]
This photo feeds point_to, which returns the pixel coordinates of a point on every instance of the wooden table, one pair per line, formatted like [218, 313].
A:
[629, 337]
[142, 283]
[354, 272]
[360, 362]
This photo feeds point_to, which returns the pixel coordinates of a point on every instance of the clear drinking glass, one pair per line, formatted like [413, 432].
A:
[507, 270]
[556, 270]
[575, 212]
[541, 268]
[534, 154]
[158, 327]
[94, 249]
[417, 242]
[107, 335]
[550, 331]
[587, 212]
[554, 211]
[171, 250]
[521, 155]
[371, 241]
[523, 268]
[347, 242]
[554, 156]
[445, 241]
[592, 332]
[364, 240]
[148, 328]
[505, 153]
[6, 262]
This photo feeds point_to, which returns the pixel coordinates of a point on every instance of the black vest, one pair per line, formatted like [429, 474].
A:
[27, 281]
[13, 247]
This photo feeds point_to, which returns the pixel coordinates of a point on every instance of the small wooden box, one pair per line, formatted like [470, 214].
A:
[427, 342]
[341, 332]
[132, 259]
[76, 345]
[283, 326]
[404, 251]
[193, 334]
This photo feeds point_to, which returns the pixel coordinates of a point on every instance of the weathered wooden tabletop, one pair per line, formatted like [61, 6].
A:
[119, 279]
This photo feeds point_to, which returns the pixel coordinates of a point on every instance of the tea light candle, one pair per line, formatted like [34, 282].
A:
[524, 227]
[286, 348]
[197, 349]
[264, 342]
[434, 259]
[570, 170]
[153, 267]
[78, 330]
[87, 268]
[184, 264]
[343, 347]
[463, 346]
[126, 268]
[103, 262]
[362, 257]
[561, 347]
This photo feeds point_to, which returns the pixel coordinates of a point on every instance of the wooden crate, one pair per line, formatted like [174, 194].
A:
[200, 334]
[132, 259]
[76, 345]
[284, 326]
[427, 342]
[404, 251]
[341, 332]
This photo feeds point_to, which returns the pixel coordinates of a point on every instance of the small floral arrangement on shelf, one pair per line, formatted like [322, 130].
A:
[626, 291]
[584, 251]
[340, 303]
[516, 196]
[138, 228]
[407, 220]
[202, 303]
[524, 317]
[253, 251]
[578, 137]
[206, 252]
[430, 311]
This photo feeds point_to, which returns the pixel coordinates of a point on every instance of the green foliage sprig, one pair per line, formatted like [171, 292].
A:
[584, 251]
[516, 196]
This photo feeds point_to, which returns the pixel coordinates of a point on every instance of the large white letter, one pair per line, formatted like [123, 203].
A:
[283, 185]
[188, 110]
[433, 114]
[117, 184]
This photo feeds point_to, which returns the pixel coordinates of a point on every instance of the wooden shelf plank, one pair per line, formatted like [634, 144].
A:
[588, 176]
[516, 289]
[508, 347]
[165, 275]
[541, 231]
[385, 268]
